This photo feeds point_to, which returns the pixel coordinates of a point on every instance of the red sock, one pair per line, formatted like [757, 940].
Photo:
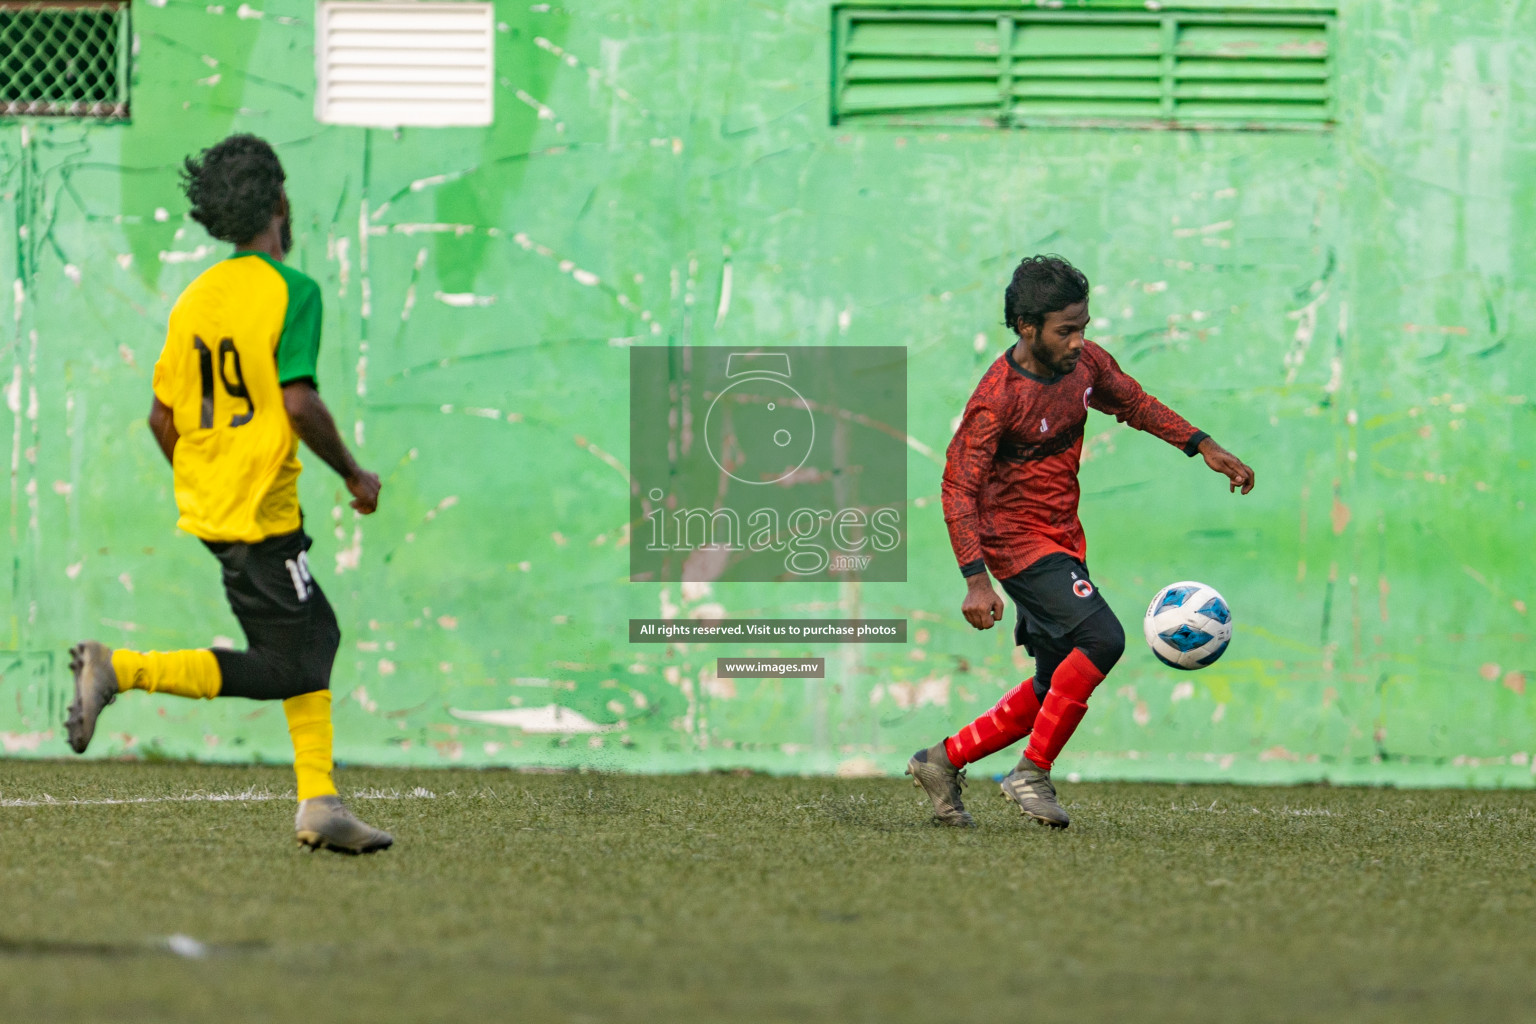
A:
[1009, 721]
[1064, 707]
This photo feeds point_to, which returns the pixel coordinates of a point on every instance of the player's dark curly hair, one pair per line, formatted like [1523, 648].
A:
[234, 187]
[1041, 285]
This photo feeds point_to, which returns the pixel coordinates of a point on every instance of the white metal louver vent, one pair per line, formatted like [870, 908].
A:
[387, 65]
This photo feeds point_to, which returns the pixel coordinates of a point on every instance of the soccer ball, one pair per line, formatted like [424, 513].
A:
[1188, 625]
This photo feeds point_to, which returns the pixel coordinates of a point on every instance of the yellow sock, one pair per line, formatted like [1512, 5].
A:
[183, 673]
[309, 723]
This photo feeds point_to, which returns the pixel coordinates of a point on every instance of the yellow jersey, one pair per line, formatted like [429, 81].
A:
[246, 326]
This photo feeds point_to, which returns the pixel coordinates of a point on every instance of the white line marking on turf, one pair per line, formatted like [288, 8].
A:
[186, 946]
[246, 796]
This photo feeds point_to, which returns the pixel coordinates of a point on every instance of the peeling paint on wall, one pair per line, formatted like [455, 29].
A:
[1345, 310]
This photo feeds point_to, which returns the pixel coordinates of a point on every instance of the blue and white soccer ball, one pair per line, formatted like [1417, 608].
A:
[1188, 625]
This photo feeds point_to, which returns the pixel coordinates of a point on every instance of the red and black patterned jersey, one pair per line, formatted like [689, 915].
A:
[1010, 476]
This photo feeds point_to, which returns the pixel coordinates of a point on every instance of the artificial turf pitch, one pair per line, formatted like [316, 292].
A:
[584, 897]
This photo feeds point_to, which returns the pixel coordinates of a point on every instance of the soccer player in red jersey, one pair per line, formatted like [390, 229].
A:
[1010, 501]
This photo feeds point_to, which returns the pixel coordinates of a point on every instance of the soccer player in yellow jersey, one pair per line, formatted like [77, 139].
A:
[234, 392]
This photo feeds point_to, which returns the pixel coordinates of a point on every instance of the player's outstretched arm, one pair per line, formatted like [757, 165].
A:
[162, 423]
[312, 422]
[1227, 464]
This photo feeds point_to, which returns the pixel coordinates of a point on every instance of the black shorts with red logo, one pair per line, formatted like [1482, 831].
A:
[1054, 595]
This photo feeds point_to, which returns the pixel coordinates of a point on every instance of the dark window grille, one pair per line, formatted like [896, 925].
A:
[64, 59]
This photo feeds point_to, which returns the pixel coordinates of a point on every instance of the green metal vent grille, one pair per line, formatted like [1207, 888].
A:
[996, 68]
[64, 60]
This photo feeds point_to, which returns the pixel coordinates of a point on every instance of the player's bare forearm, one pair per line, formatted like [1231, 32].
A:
[162, 423]
[313, 423]
[1237, 472]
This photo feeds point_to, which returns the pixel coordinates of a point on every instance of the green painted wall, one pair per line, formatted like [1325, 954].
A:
[1349, 311]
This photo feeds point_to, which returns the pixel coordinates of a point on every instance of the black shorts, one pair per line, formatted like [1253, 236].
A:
[287, 620]
[1053, 597]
